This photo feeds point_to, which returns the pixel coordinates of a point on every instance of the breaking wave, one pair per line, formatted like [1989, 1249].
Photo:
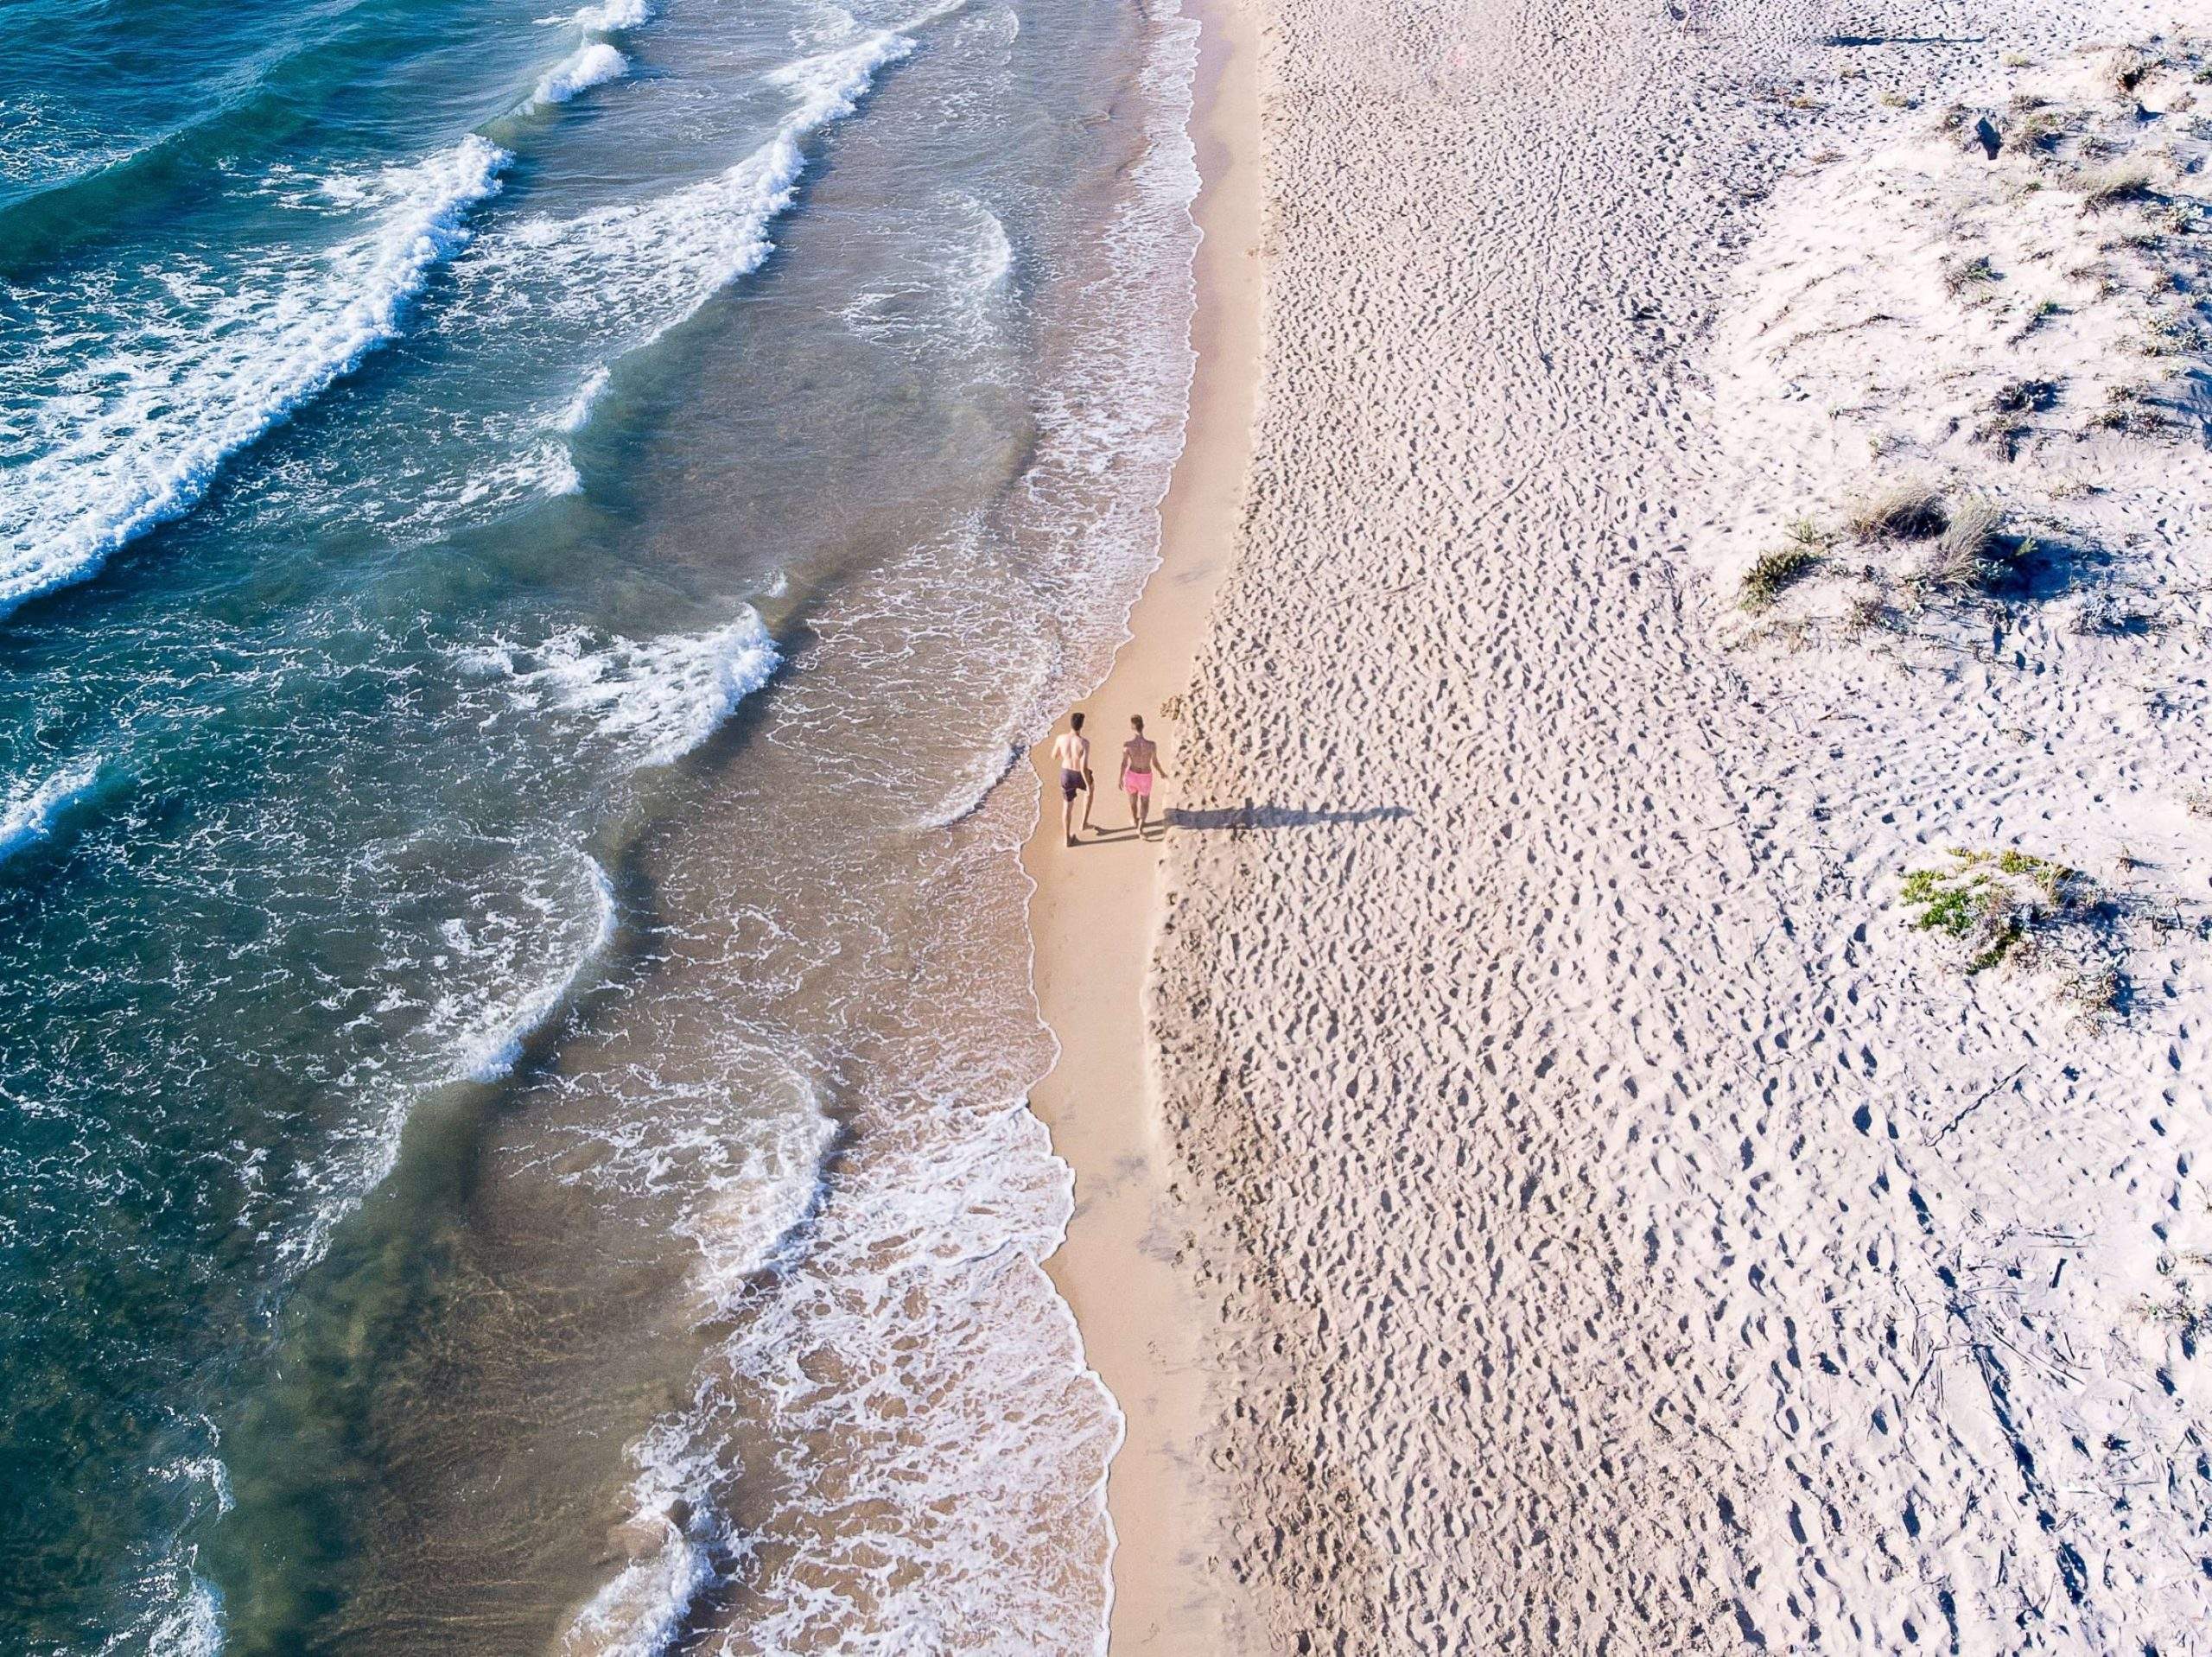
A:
[148, 450]
[30, 812]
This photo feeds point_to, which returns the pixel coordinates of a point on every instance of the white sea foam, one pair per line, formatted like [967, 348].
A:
[30, 809]
[593, 64]
[913, 1493]
[657, 701]
[612, 16]
[193, 1627]
[182, 1613]
[750, 1193]
[487, 1052]
[659, 261]
[130, 458]
[993, 260]
[576, 415]
[498, 973]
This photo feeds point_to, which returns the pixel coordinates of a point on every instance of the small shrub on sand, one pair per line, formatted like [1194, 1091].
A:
[2026, 396]
[2169, 336]
[1987, 902]
[1898, 100]
[1866, 613]
[1774, 572]
[2002, 433]
[2130, 71]
[2036, 128]
[1899, 512]
[2128, 409]
[2116, 186]
[1970, 908]
[2017, 60]
[1961, 274]
[2180, 1314]
[2092, 991]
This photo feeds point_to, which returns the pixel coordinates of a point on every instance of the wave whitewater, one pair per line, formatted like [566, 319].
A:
[588, 66]
[30, 813]
[489, 1053]
[656, 700]
[152, 449]
[676, 252]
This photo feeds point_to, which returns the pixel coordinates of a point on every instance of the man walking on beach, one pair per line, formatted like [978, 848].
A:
[1071, 753]
[1140, 761]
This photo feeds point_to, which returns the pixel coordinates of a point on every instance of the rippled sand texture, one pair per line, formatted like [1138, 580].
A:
[1597, 1269]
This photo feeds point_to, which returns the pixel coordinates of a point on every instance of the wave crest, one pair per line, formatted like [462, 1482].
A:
[29, 813]
[148, 452]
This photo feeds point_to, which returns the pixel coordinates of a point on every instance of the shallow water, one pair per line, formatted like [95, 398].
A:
[529, 546]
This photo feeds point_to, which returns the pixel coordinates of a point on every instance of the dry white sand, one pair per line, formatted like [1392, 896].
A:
[1625, 1232]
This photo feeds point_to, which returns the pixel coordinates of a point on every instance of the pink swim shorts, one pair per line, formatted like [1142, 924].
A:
[1138, 782]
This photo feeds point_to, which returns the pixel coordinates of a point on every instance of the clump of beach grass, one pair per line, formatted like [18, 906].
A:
[1905, 510]
[2128, 408]
[1987, 902]
[1773, 572]
[2130, 70]
[1960, 274]
[1963, 555]
[2116, 186]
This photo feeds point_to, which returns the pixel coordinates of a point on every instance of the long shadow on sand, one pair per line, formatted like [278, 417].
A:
[1280, 817]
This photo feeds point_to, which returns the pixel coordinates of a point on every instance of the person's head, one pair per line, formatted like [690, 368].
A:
[1075, 722]
[1137, 723]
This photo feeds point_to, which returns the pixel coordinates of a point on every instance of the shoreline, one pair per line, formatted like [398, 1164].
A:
[1095, 909]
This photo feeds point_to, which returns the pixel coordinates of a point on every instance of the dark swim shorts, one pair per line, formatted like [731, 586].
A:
[1071, 784]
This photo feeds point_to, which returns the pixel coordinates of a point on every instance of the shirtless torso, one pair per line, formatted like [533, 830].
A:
[1071, 753]
[1140, 761]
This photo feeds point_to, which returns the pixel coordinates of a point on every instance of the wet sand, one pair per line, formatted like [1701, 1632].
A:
[1096, 909]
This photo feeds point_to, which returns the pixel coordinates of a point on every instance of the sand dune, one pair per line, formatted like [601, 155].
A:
[1627, 1231]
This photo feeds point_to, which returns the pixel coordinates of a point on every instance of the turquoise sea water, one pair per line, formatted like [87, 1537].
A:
[528, 544]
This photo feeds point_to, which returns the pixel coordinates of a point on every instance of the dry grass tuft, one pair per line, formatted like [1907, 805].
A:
[2116, 186]
[1866, 612]
[1900, 511]
[1960, 274]
[1965, 554]
[2131, 70]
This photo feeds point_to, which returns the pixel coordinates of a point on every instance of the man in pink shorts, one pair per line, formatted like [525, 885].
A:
[1139, 764]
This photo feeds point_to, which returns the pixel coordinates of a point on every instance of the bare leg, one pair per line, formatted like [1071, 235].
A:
[1067, 819]
[1136, 811]
[1143, 803]
[1090, 793]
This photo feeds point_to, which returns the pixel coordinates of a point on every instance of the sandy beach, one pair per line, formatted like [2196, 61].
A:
[1662, 1109]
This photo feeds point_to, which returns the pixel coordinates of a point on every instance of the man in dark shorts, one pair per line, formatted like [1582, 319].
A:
[1071, 753]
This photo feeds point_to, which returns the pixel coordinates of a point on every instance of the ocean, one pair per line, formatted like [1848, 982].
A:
[531, 548]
